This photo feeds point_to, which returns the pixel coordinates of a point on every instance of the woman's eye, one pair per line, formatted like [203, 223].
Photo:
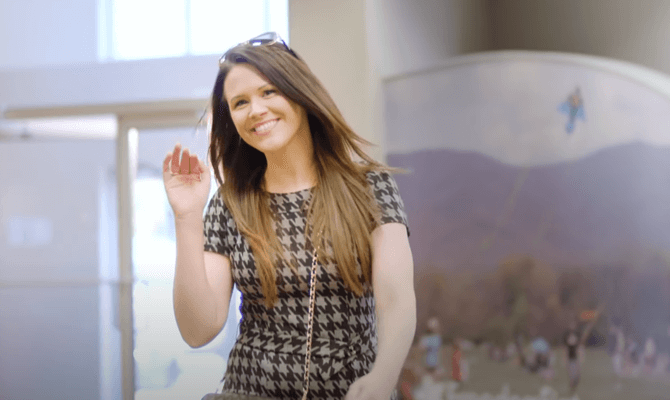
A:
[269, 92]
[238, 103]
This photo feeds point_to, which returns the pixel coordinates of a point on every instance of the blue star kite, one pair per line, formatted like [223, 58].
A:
[574, 108]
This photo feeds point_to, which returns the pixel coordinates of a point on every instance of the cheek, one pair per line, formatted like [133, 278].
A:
[239, 123]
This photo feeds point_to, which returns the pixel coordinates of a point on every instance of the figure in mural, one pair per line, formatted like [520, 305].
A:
[541, 360]
[457, 370]
[649, 355]
[574, 108]
[574, 346]
[571, 341]
[619, 349]
[431, 343]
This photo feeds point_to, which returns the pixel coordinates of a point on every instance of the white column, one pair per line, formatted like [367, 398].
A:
[126, 164]
[331, 36]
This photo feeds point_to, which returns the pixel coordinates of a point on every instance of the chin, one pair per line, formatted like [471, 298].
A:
[270, 147]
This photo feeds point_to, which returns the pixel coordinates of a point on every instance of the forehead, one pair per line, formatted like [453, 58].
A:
[242, 78]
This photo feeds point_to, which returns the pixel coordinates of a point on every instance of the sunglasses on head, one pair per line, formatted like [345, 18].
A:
[265, 39]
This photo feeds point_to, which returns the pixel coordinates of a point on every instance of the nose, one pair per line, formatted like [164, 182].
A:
[256, 107]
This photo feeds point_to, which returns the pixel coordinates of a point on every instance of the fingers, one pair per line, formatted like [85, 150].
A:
[185, 161]
[194, 165]
[175, 159]
[180, 162]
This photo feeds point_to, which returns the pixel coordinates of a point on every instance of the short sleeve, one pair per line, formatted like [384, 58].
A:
[216, 221]
[388, 198]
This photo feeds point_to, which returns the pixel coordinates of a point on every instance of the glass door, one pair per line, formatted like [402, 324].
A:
[166, 367]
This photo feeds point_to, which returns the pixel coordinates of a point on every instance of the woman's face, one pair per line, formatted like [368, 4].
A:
[264, 118]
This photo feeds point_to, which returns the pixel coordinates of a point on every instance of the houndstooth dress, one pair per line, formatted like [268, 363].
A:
[269, 355]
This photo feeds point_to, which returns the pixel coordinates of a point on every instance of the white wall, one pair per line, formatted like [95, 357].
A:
[412, 36]
[634, 31]
[330, 37]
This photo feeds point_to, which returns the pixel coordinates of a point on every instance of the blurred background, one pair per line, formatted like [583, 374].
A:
[536, 138]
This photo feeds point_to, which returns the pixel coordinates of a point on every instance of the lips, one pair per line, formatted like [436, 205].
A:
[264, 127]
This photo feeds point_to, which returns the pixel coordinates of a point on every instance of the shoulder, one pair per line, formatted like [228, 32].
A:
[383, 186]
[378, 176]
[386, 194]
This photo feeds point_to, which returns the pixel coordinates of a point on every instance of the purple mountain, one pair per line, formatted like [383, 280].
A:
[467, 210]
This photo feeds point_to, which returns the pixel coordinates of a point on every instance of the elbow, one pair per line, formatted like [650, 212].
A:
[198, 335]
[196, 344]
[195, 341]
[198, 330]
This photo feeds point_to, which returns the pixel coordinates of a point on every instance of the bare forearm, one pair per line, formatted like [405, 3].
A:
[194, 305]
[396, 326]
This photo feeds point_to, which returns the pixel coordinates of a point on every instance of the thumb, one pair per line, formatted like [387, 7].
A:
[166, 166]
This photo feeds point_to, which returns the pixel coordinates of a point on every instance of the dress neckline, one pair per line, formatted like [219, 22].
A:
[309, 189]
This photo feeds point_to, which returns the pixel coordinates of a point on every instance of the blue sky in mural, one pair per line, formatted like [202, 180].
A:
[520, 111]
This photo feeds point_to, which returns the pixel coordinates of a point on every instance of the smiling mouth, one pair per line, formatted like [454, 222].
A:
[265, 128]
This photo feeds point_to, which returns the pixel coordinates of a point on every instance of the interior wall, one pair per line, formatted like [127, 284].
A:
[412, 36]
[330, 37]
[634, 31]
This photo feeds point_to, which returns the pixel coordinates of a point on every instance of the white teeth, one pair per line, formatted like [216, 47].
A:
[265, 127]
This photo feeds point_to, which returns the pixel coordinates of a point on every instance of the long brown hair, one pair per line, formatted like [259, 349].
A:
[342, 208]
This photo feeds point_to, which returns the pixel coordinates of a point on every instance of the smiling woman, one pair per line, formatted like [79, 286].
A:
[310, 228]
[257, 108]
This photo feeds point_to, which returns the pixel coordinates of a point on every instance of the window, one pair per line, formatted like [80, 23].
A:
[143, 29]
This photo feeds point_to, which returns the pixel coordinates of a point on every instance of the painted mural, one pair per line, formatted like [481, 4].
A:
[538, 197]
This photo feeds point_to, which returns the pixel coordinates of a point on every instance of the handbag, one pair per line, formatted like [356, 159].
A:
[308, 349]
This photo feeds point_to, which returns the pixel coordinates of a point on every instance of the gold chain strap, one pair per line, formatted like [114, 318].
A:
[310, 323]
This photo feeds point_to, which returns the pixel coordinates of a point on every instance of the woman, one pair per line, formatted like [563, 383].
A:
[289, 184]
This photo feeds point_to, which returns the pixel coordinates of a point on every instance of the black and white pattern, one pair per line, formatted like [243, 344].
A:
[269, 355]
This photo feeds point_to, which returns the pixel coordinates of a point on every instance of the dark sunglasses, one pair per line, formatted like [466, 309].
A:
[265, 39]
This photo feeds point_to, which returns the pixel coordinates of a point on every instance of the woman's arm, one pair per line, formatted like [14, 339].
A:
[395, 301]
[393, 285]
[203, 285]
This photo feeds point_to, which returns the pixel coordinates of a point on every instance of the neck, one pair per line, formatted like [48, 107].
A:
[290, 171]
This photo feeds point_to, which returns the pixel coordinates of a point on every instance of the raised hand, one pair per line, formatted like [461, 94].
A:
[187, 183]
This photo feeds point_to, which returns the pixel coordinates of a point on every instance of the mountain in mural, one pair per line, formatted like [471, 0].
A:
[467, 210]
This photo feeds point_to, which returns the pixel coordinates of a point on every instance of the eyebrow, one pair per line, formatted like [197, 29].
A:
[259, 88]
